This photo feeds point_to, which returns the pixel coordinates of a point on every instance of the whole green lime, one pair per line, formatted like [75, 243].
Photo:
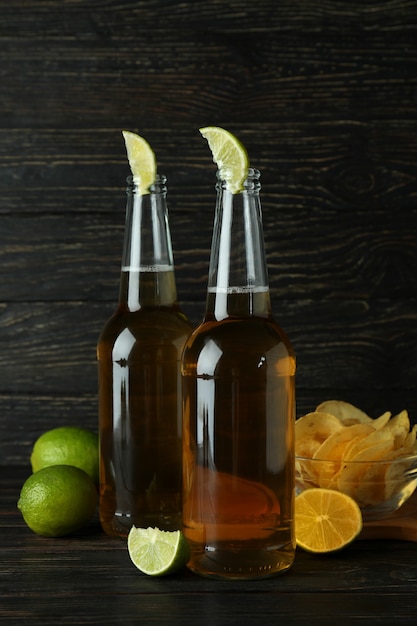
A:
[57, 500]
[67, 445]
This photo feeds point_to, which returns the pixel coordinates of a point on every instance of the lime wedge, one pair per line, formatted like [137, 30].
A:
[141, 160]
[230, 156]
[157, 552]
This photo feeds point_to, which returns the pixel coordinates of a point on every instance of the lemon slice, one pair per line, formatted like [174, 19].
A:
[157, 552]
[326, 520]
[230, 156]
[141, 160]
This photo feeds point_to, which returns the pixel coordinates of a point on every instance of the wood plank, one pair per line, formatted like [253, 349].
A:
[53, 344]
[193, 72]
[331, 227]
[82, 606]
[89, 579]
[280, 83]
[334, 165]
[25, 416]
[364, 255]
[105, 20]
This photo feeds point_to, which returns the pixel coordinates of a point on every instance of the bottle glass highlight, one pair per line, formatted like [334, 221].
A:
[238, 372]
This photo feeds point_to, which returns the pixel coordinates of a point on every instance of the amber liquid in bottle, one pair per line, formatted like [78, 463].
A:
[139, 353]
[239, 408]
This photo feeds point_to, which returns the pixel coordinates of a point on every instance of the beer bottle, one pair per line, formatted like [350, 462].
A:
[139, 352]
[238, 370]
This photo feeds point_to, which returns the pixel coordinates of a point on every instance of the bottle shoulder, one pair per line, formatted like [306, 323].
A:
[167, 322]
[235, 338]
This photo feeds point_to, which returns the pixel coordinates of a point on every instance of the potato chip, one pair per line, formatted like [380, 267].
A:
[376, 452]
[397, 474]
[353, 445]
[370, 489]
[399, 427]
[375, 438]
[380, 421]
[346, 412]
[410, 440]
[350, 479]
[333, 447]
[305, 469]
[311, 430]
[331, 453]
[306, 447]
[327, 473]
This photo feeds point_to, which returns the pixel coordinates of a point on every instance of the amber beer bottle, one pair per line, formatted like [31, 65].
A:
[139, 353]
[238, 371]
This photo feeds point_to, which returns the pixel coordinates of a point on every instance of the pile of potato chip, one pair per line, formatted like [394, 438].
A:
[338, 446]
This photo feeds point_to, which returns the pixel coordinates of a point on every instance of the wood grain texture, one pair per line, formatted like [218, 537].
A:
[56, 349]
[89, 579]
[324, 97]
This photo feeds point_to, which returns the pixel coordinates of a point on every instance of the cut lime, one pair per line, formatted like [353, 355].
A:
[141, 160]
[230, 156]
[157, 552]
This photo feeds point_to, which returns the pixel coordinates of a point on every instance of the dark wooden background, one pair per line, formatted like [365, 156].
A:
[323, 94]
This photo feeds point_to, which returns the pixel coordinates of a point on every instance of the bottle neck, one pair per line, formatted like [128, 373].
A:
[238, 279]
[147, 276]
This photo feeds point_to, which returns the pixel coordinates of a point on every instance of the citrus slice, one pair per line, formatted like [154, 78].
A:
[141, 160]
[230, 156]
[326, 520]
[157, 552]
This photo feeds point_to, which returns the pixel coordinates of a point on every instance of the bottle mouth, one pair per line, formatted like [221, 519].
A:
[158, 186]
[252, 182]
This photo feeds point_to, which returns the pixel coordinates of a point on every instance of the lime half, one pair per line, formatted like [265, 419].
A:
[157, 552]
[230, 156]
[141, 160]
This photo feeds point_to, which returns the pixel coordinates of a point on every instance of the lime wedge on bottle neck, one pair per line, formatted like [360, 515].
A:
[230, 156]
[157, 552]
[141, 160]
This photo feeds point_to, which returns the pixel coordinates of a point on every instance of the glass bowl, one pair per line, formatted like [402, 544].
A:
[379, 487]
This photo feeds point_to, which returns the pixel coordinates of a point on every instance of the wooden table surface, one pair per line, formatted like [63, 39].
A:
[89, 579]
